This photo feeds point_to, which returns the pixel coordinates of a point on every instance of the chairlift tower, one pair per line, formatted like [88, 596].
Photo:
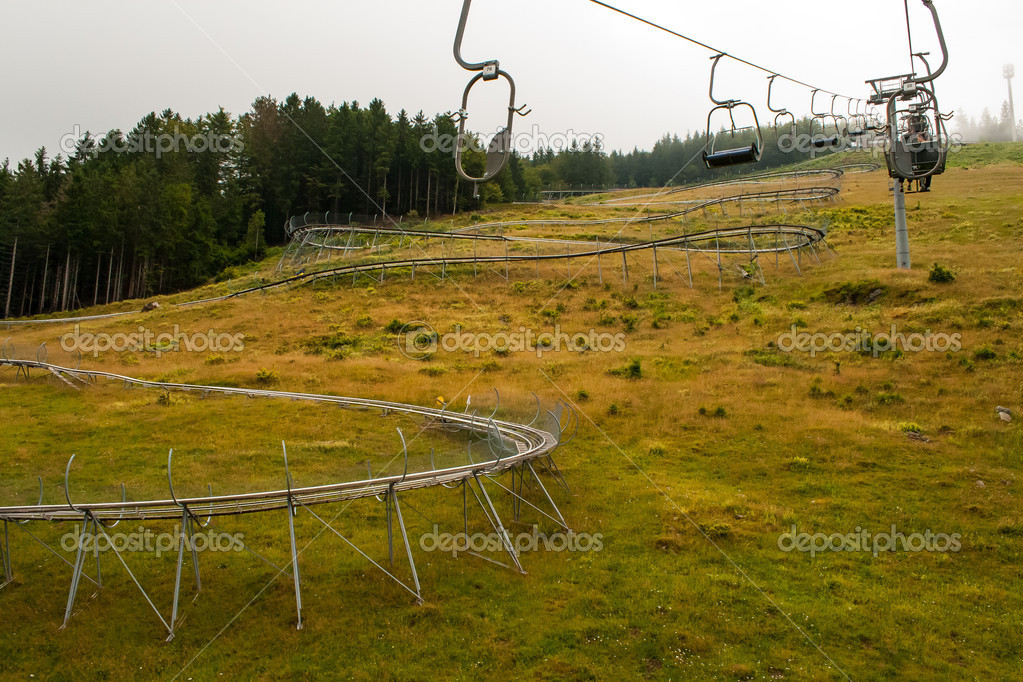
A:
[1009, 71]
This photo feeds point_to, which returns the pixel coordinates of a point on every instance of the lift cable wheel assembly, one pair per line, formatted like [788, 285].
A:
[499, 149]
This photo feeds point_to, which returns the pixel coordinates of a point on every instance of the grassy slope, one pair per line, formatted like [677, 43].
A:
[802, 442]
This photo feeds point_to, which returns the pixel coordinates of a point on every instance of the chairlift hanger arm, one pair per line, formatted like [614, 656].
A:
[717, 58]
[941, 41]
[489, 67]
[770, 85]
[813, 99]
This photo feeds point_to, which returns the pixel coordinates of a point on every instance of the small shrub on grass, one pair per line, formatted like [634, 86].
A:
[267, 377]
[720, 413]
[771, 357]
[612, 409]
[742, 293]
[941, 275]
[364, 322]
[550, 314]
[910, 427]
[630, 322]
[633, 370]
[798, 464]
[394, 326]
[886, 398]
[717, 529]
[336, 346]
[855, 293]
[582, 395]
[985, 353]
[215, 359]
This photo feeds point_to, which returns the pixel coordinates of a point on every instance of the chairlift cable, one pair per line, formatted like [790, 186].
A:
[909, 35]
[716, 50]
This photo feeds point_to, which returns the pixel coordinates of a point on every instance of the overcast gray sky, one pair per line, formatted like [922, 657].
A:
[581, 67]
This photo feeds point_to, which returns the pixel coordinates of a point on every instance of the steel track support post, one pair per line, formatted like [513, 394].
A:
[546, 494]
[95, 552]
[789, 249]
[465, 509]
[498, 526]
[552, 468]
[5, 554]
[177, 573]
[195, 554]
[813, 251]
[655, 265]
[76, 574]
[294, 560]
[717, 243]
[901, 229]
[390, 528]
[170, 630]
[689, 265]
[408, 547]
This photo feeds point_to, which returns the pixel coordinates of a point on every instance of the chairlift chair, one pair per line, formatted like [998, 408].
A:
[916, 149]
[825, 141]
[855, 117]
[714, 158]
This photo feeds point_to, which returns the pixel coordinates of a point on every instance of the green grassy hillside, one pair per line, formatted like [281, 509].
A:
[701, 444]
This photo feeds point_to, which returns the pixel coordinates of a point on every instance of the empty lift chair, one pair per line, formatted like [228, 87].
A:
[722, 158]
[823, 141]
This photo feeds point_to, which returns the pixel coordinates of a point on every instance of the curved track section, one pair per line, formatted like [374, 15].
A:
[508, 445]
[523, 450]
[312, 235]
